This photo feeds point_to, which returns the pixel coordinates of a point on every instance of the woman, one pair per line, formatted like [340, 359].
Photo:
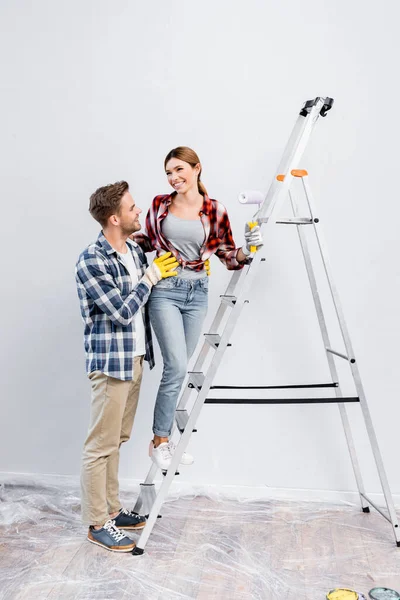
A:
[192, 227]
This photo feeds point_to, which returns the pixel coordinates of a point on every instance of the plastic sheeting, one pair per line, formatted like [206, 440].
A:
[206, 546]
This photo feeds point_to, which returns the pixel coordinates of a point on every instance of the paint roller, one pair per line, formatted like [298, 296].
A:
[252, 197]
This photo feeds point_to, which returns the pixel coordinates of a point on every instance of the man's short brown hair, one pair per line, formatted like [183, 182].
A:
[106, 201]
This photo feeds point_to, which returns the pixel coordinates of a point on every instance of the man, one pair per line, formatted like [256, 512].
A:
[114, 284]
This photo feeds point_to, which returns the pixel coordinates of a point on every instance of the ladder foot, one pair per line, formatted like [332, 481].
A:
[137, 551]
[398, 544]
[366, 509]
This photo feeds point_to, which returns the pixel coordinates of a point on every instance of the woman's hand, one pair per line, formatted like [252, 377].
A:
[253, 237]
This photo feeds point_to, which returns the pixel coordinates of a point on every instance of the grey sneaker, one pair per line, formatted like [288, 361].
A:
[110, 538]
[127, 519]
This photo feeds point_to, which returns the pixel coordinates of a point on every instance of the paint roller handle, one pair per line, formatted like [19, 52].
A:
[253, 238]
[253, 224]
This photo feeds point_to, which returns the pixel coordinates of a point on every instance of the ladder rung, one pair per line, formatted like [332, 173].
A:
[341, 355]
[182, 417]
[214, 339]
[230, 300]
[295, 221]
[196, 379]
[282, 400]
[274, 387]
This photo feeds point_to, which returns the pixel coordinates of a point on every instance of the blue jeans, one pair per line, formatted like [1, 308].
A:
[177, 310]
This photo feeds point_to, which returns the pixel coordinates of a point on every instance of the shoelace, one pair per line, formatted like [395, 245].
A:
[113, 530]
[128, 513]
[172, 447]
[165, 451]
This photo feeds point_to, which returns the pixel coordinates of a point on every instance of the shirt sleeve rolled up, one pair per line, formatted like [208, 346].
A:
[96, 282]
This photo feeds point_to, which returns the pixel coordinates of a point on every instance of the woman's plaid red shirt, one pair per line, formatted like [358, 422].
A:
[217, 228]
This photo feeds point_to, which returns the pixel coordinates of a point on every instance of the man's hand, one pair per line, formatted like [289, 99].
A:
[161, 267]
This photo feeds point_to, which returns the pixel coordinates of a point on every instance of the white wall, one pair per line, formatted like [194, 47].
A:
[93, 92]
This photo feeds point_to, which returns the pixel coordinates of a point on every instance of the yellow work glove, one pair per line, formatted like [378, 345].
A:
[207, 267]
[166, 263]
[253, 237]
[161, 267]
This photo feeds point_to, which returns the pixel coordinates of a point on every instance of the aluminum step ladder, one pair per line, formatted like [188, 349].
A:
[149, 502]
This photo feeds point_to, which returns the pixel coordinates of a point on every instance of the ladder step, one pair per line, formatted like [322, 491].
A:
[182, 417]
[230, 300]
[295, 221]
[282, 400]
[196, 379]
[214, 339]
[146, 498]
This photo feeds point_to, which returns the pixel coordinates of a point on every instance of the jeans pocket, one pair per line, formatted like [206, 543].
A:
[204, 284]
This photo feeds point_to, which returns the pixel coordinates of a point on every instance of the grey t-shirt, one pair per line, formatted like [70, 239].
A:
[187, 236]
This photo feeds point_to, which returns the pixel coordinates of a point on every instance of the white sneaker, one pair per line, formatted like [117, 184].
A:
[187, 459]
[161, 455]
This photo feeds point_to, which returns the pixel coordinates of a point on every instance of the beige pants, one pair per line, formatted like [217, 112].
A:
[113, 409]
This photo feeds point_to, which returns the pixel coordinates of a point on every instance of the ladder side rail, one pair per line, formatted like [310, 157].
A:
[186, 390]
[234, 280]
[269, 205]
[354, 369]
[248, 269]
[291, 159]
[191, 423]
[294, 140]
[331, 362]
[324, 255]
[290, 148]
[214, 327]
[170, 474]
[184, 440]
[206, 348]
[185, 394]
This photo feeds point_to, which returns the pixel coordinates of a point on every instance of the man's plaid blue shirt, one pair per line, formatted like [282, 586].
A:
[108, 307]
